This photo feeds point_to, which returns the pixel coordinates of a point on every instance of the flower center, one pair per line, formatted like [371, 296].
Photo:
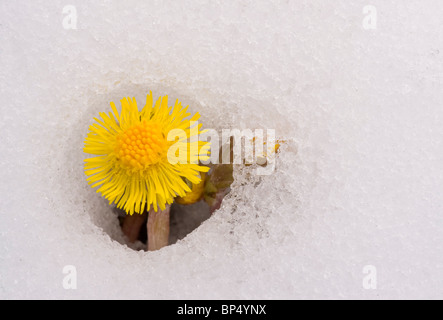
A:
[141, 146]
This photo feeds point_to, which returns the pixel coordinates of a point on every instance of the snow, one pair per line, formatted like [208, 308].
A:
[357, 183]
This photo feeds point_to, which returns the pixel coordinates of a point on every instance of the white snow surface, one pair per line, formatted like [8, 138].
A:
[358, 181]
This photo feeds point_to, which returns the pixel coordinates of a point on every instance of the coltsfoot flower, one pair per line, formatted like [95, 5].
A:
[133, 149]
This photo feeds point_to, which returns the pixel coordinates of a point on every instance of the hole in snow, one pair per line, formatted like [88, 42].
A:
[183, 220]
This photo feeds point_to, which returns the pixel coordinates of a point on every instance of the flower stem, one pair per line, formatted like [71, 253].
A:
[216, 203]
[132, 224]
[158, 228]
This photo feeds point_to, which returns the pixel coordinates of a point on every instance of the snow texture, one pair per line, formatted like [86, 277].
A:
[358, 181]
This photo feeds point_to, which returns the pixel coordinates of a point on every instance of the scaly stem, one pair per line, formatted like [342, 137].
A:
[218, 199]
[158, 228]
[132, 224]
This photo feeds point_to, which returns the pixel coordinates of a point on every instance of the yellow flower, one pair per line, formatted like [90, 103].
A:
[195, 194]
[133, 152]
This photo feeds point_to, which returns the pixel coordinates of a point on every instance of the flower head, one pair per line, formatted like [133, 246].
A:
[133, 152]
